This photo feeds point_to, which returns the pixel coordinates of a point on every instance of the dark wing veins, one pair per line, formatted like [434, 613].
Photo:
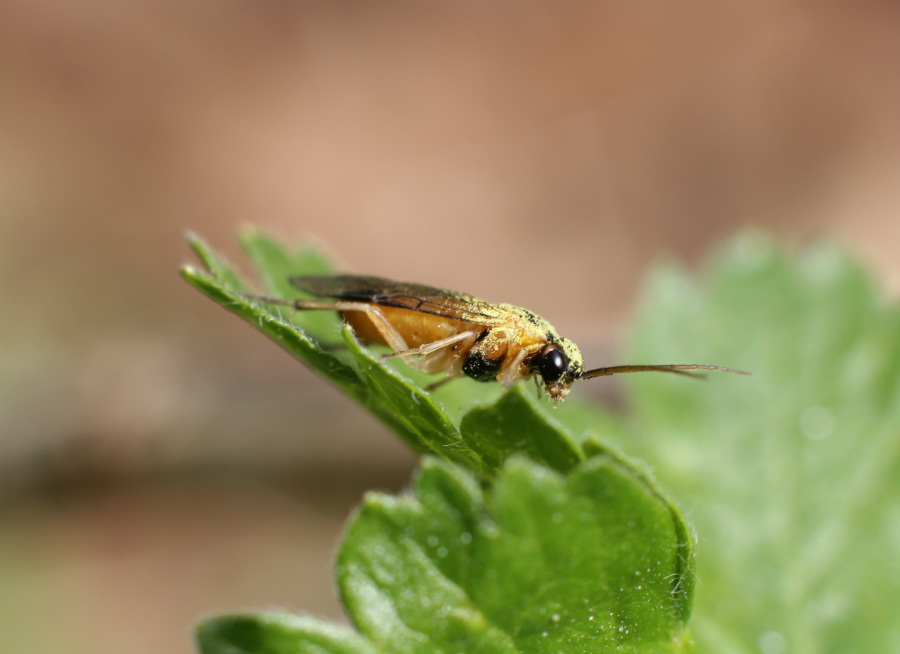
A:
[401, 295]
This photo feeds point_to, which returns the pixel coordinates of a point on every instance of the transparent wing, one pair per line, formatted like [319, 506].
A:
[402, 295]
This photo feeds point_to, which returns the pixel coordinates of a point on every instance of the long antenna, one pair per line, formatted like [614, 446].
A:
[678, 369]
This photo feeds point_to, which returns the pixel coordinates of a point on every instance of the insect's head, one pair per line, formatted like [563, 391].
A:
[560, 365]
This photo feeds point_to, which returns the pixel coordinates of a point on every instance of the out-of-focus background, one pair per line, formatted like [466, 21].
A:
[158, 458]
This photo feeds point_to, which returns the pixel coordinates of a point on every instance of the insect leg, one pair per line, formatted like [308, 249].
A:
[429, 348]
[373, 313]
[382, 324]
[509, 373]
[440, 382]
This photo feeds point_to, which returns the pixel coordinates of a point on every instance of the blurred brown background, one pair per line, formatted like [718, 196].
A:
[158, 458]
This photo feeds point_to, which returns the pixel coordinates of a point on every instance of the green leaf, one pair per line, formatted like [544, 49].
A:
[514, 424]
[541, 562]
[577, 552]
[225, 288]
[474, 424]
[272, 633]
[793, 475]
[276, 266]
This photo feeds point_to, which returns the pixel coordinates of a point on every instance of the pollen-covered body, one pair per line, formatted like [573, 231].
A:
[504, 337]
[442, 331]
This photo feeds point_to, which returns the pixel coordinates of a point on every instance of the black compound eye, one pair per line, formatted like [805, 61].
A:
[552, 363]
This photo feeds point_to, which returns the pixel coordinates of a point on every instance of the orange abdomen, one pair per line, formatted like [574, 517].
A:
[416, 328]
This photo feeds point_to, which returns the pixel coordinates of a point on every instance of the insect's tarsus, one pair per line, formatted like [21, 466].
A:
[266, 299]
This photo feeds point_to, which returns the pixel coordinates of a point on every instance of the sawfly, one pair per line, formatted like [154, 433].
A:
[436, 331]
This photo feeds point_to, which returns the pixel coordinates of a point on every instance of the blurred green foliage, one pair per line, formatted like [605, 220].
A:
[791, 478]
[792, 481]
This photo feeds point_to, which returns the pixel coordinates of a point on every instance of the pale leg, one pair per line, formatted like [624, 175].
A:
[429, 348]
[509, 373]
[382, 324]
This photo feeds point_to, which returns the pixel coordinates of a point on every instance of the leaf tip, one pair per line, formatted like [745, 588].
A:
[226, 633]
[247, 233]
[196, 242]
[193, 275]
[430, 464]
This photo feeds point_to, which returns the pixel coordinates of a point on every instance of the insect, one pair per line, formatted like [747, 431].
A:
[435, 330]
